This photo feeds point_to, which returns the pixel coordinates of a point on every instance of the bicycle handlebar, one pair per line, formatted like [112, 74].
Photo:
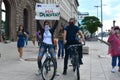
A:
[75, 45]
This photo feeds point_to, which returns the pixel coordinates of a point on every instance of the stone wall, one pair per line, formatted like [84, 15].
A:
[16, 18]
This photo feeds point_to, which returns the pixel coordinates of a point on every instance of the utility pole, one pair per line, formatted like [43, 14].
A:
[97, 9]
[101, 20]
[113, 23]
[97, 12]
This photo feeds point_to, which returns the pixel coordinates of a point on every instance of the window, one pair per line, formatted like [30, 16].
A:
[3, 17]
[3, 11]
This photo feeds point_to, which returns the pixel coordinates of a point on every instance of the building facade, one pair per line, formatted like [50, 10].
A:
[22, 12]
[15, 13]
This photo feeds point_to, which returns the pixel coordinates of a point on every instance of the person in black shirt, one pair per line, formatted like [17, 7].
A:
[70, 38]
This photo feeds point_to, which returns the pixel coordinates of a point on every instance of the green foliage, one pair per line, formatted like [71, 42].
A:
[91, 23]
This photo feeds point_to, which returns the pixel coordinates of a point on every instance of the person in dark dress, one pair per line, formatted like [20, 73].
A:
[20, 43]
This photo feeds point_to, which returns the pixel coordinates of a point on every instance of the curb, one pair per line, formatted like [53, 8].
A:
[104, 41]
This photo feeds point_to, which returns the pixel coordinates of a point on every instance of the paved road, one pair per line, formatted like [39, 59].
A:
[94, 68]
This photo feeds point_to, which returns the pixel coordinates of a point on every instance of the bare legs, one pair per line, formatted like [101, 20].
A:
[20, 50]
[33, 42]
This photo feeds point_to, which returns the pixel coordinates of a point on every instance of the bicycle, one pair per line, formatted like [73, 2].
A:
[75, 59]
[48, 70]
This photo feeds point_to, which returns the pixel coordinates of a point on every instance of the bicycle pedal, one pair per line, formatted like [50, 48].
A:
[70, 65]
[38, 74]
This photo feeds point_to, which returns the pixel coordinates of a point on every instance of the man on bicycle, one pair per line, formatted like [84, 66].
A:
[70, 38]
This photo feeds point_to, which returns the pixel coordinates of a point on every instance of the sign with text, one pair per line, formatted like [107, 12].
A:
[82, 15]
[47, 11]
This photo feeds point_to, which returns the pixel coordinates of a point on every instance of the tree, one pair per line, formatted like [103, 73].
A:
[91, 23]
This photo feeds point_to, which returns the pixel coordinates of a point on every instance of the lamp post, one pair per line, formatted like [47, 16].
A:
[101, 20]
[97, 12]
[97, 9]
[113, 23]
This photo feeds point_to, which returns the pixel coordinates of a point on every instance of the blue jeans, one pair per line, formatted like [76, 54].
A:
[26, 41]
[43, 49]
[61, 48]
[114, 61]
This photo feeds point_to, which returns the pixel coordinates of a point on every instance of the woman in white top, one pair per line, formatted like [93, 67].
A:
[47, 33]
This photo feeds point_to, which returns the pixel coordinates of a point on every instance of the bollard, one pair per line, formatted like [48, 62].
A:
[0, 55]
[85, 50]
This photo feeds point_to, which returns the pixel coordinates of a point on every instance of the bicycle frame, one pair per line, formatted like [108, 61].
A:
[47, 55]
[75, 59]
[47, 66]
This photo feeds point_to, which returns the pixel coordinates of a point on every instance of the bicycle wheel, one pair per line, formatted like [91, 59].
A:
[48, 69]
[78, 74]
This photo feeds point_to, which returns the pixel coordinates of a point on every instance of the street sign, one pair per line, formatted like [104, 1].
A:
[81, 15]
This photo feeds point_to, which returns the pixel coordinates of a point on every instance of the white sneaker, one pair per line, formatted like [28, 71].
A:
[57, 74]
[21, 59]
[39, 73]
[113, 70]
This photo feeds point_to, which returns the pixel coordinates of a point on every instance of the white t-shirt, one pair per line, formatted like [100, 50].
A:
[47, 37]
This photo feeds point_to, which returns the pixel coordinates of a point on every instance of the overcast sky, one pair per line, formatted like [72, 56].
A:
[111, 10]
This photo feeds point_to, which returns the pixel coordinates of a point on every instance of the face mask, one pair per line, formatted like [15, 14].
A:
[71, 23]
[47, 27]
[116, 31]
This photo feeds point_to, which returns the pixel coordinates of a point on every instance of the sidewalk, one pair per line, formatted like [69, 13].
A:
[94, 68]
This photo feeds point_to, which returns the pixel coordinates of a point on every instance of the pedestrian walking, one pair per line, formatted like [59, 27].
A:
[114, 48]
[20, 42]
[47, 33]
[69, 37]
[60, 42]
[26, 38]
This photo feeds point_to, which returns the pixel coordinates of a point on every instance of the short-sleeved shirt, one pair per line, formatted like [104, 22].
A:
[60, 35]
[71, 33]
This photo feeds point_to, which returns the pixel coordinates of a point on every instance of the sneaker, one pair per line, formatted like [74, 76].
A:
[21, 59]
[81, 62]
[39, 73]
[65, 72]
[113, 70]
[57, 74]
